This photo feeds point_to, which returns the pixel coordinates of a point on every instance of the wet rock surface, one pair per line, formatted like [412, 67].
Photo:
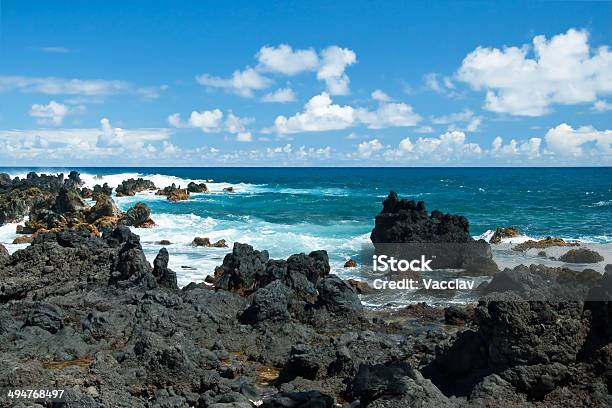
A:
[504, 232]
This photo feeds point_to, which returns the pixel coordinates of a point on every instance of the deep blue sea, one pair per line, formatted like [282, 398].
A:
[289, 210]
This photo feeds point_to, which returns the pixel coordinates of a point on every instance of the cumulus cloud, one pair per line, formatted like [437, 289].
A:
[465, 120]
[437, 83]
[284, 60]
[529, 148]
[380, 96]
[563, 70]
[243, 83]
[321, 114]
[367, 148]
[66, 86]
[388, 115]
[52, 113]
[211, 121]
[281, 95]
[244, 137]
[329, 64]
[334, 61]
[602, 106]
[448, 146]
[564, 140]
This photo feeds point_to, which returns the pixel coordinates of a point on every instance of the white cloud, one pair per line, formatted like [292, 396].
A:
[329, 65]
[65, 86]
[424, 129]
[211, 121]
[380, 96]
[448, 146]
[321, 114]
[465, 121]
[563, 70]
[242, 83]
[529, 148]
[334, 61]
[367, 148]
[388, 115]
[52, 113]
[281, 95]
[244, 137]
[564, 140]
[284, 60]
[602, 106]
[438, 84]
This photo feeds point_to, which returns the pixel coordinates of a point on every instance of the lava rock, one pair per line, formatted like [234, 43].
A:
[197, 188]
[582, 255]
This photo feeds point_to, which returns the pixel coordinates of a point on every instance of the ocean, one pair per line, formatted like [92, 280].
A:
[292, 210]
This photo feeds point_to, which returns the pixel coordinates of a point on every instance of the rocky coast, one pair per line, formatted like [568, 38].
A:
[81, 309]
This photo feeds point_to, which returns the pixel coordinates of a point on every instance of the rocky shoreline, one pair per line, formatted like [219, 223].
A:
[81, 309]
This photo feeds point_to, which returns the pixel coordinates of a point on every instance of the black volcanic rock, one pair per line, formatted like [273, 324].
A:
[165, 276]
[405, 221]
[132, 186]
[405, 226]
[138, 216]
[581, 255]
[197, 188]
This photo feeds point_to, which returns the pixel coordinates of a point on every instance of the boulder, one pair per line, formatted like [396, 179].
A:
[69, 201]
[165, 276]
[240, 268]
[338, 297]
[132, 186]
[360, 287]
[102, 189]
[174, 193]
[406, 230]
[543, 244]
[350, 264]
[104, 207]
[138, 216]
[197, 187]
[205, 242]
[268, 303]
[229, 189]
[504, 232]
[582, 255]
[5, 181]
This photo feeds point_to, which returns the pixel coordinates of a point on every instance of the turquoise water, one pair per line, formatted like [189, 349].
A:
[288, 210]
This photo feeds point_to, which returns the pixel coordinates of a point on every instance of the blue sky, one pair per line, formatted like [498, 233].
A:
[305, 83]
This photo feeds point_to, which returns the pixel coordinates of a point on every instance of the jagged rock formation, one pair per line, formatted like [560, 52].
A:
[174, 193]
[405, 226]
[132, 186]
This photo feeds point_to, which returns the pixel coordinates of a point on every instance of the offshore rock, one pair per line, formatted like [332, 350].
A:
[582, 255]
[406, 227]
[504, 232]
[197, 187]
[132, 186]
